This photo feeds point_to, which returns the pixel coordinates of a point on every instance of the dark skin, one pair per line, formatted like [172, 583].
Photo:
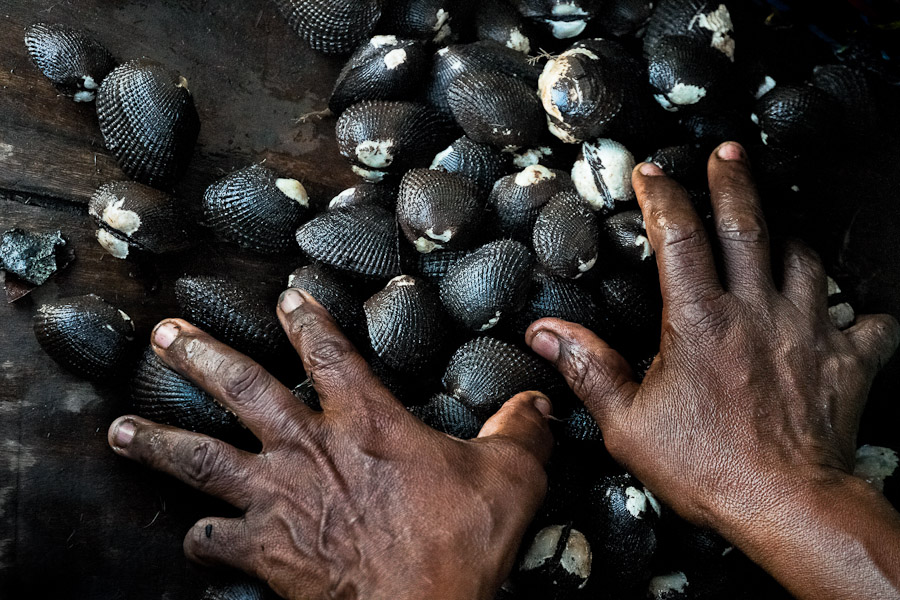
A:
[737, 429]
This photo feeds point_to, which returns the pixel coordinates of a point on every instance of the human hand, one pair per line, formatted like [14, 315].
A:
[362, 500]
[747, 418]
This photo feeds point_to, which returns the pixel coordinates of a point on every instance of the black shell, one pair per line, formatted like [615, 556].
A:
[488, 284]
[712, 128]
[33, 257]
[517, 199]
[557, 564]
[431, 20]
[686, 163]
[623, 241]
[380, 194]
[854, 95]
[162, 395]
[148, 121]
[332, 26]
[582, 427]
[496, 108]
[380, 136]
[498, 21]
[385, 68]
[438, 210]
[480, 163]
[447, 414]
[602, 174]
[243, 589]
[486, 372]
[359, 240]
[138, 217]
[793, 116]
[233, 315]
[621, 18]
[566, 239]
[86, 335]
[336, 294]
[688, 74]
[407, 324]
[709, 21]
[434, 266]
[552, 296]
[255, 209]
[631, 306]
[564, 18]
[75, 62]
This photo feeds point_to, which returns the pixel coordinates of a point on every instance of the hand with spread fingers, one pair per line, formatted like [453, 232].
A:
[747, 419]
[361, 500]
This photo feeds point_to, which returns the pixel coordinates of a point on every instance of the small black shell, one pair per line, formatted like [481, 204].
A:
[148, 120]
[793, 116]
[133, 216]
[497, 20]
[75, 62]
[33, 257]
[359, 240]
[86, 335]
[335, 294]
[552, 296]
[558, 563]
[566, 236]
[687, 74]
[438, 210]
[480, 163]
[407, 324]
[430, 20]
[488, 284]
[854, 95]
[709, 21]
[256, 209]
[623, 241]
[161, 394]
[631, 305]
[386, 68]
[239, 589]
[564, 18]
[380, 194]
[447, 414]
[331, 26]
[686, 163]
[434, 266]
[517, 199]
[602, 174]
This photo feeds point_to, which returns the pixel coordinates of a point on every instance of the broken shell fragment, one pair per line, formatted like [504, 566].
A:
[75, 62]
[438, 210]
[602, 174]
[517, 199]
[448, 415]
[566, 238]
[33, 257]
[331, 26]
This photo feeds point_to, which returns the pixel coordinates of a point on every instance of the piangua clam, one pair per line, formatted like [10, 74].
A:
[74, 61]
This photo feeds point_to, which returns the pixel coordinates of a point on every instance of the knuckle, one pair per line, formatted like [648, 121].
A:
[329, 353]
[244, 383]
[683, 239]
[203, 461]
[743, 229]
[708, 316]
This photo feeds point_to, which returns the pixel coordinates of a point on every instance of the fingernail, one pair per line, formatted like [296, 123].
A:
[731, 151]
[543, 405]
[124, 433]
[290, 301]
[165, 334]
[546, 344]
[652, 170]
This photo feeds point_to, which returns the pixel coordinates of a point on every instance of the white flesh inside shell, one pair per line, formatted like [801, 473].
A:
[294, 190]
[112, 244]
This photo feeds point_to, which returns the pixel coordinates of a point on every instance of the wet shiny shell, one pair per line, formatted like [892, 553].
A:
[686, 163]
[331, 26]
[687, 74]
[481, 164]
[486, 372]
[853, 94]
[497, 109]
[75, 62]
[794, 116]
[553, 296]
[710, 128]
[623, 241]
[602, 174]
[407, 324]
[379, 137]
[133, 216]
[558, 562]
[566, 239]
[336, 294]
[434, 266]
[438, 210]
[31, 256]
[582, 427]
[242, 589]
[431, 20]
[385, 68]
[563, 18]
[360, 240]
[497, 20]
[148, 120]
[708, 21]
[380, 194]
[447, 414]
[232, 314]
[517, 199]
[488, 284]
[86, 335]
[255, 209]
[162, 395]
[620, 18]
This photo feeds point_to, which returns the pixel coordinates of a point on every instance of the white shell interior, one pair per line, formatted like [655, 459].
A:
[395, 58]
[294, 190]
[112, 244]
[662, 586]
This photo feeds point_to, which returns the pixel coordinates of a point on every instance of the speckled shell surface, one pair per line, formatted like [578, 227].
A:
[431, 20]
[481, 164]
[687, 74]
[498, 21]
[86, 335]
[582, 427]
[566, 236]
[162, 395]
[602, 174]
[488, 284]
[148, 121]
[448, 415]
[335, 293]
[331, 26]
[74, 61]
[434, 266]
[30, 256]
[517, 199]
[383, 195]
[133, 216]
[255, 209]
[794, 116]
[438, 210]
[709, 21]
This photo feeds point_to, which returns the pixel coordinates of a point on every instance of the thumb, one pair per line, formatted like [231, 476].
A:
[523, 421]
[597, 374]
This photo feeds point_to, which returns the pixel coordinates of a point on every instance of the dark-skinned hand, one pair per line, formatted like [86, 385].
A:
[747, 419]
[362, 500]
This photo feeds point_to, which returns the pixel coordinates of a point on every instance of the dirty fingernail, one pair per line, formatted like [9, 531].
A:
[165, 334]
[731, 151]
[291, 300]
[543, 405]
[547, 345]
[651, 170]
[124, 433]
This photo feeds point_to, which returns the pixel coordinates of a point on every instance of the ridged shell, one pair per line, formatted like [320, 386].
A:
[331, 26]
[488, 284]
[566, 238]
[486, 372]
[687, 74]
[854, 95]
[497, 109]
[407, 324]
[380, 137]
[710, 128]
[563, 18]
[793, 116]
[255, 209]
[148, 120]
[133, 216]
[558, 562]
[380, 194]
[233, 315]
[582, 427]
[360, 240]
[602, 174]
[385, 68]
[685, 164]
[86, 335]
[517, 199]
[336, 294]
[162, 395]
[431, 20]
[438, 210]
[247, 589]
[481, 164]
[620, 18]
[706, 20]
[75, 62]
[623, 241]
[434, 266]
[552, 296]
[632, 309]
[448, 415]
[498, 21]
[31, 256]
